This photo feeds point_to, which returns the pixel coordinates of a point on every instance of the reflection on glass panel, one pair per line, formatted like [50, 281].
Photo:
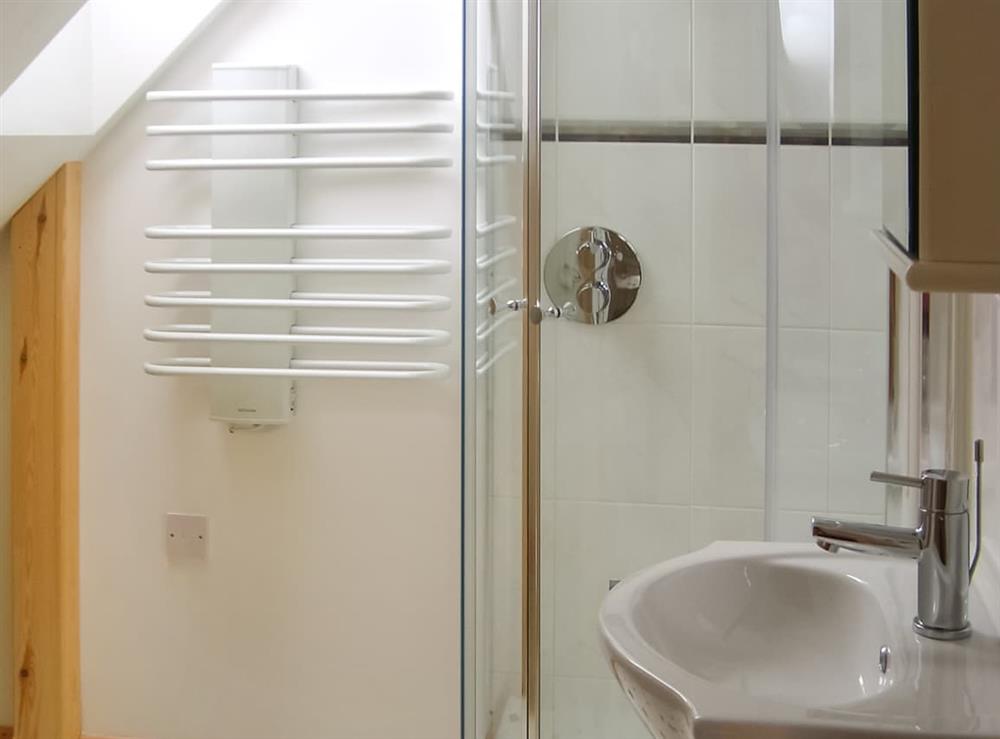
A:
[496, 134]
[896, 151]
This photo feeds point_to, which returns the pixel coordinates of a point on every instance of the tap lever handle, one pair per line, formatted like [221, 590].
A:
[890, 479]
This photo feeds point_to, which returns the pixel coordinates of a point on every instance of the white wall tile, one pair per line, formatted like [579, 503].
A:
[505, 713]
[644, 192]
[549, 329]
[804, 236]
[858, 58]
[728, 416]
[594, 708]
[550, 194]
[859, 278]
[624, 60]
[549, 61]
[547, 547]
[725, 524]
[624, 425]
[730, 60]
[505, 576]
[803, 416]
[547, 708]
[895, 191]
[986, 404]
[598, 542]
[793, 526]
[894, 92]
[805, 62]
[858, 412]
[730, 234]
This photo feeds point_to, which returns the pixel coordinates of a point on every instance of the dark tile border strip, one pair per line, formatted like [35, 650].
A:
[745, 132]
[643, 132]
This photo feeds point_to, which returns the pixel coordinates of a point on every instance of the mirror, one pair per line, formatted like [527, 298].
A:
[899, 142]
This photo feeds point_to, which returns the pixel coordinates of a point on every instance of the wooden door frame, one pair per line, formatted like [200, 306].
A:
[45, 266]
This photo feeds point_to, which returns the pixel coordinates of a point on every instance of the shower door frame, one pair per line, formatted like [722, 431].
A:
[531, 367]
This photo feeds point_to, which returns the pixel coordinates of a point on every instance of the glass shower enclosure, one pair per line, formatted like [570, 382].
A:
[738, 148]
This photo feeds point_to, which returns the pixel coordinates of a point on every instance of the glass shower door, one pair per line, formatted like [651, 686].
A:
[494, 570]
[736, 145]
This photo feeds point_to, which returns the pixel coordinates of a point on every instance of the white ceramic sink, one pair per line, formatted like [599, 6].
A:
[756, 640]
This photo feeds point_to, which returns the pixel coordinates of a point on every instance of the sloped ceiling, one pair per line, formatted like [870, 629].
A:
[26, 26]
[76, 86]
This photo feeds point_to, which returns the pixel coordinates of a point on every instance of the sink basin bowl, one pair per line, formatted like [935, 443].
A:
[775, 640]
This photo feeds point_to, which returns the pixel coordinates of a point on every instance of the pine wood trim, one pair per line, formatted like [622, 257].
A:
[45, 247]
[7, 732]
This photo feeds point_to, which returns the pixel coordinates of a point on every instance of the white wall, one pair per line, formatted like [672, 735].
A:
[329, 604]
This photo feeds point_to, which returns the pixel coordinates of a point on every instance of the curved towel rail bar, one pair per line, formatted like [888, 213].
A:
[495, 126]
[186, 265]
[487, 295]
[302, 335]
[299, 232]
[204, 299]
[194, 96]
[485, 362]
[495, 95]
[236, 129]
[484, 331]
[304, 368]
[487, 261]
[488, 160]
[162, 165]
[483, 229]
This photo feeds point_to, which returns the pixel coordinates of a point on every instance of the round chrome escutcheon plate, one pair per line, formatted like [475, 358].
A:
[592, 275]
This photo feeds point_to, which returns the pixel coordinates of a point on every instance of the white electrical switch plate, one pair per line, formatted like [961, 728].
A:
[187, 536]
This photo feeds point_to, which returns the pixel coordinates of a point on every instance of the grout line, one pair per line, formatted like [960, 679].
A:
[737, 509]
[632, 503]
[831, 67]
[691, 495]
[771, 336]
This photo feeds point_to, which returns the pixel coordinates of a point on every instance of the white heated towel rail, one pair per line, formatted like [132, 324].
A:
[486, 329]
[490, 160]
[202, 332]
[486, 296]
[496, 126]
[189, 265]
[304, 368]
[298, 163]
[495, 95]
[363, 301]
[299, 232]
[252, 267]
[236, 129]
[489, 260]
[485, 229]
[194, 96]
[486, 361]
